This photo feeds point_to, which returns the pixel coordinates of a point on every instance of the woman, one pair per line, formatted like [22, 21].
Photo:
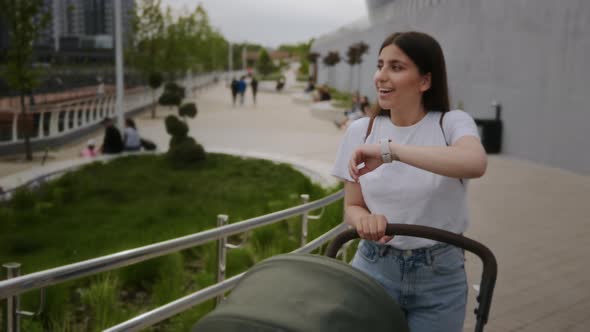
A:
[417, 156]
[131, 136]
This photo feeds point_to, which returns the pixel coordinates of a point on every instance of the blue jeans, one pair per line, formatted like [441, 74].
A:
[429, 284]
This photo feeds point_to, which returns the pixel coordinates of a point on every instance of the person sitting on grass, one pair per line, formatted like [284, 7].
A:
[90, 149]
[131, 136]
[360, 111]
[323, 94]
[310, 85]
[112, 142]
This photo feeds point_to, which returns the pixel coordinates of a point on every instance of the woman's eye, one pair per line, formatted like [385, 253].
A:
[379, 66]
[396, 67]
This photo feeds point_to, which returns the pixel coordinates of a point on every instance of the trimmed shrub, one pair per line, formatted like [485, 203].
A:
[172, 95]
[176, 141]
[169, 99]
[175, 88]
[188, 109]
[186, 152]
[175, 127]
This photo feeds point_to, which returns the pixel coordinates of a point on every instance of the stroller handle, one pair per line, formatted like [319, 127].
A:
[490, 267]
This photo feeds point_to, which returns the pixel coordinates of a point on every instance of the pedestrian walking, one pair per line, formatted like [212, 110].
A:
[254, 86]
[242, 89]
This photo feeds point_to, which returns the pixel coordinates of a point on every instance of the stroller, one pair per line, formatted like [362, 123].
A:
[303, 292]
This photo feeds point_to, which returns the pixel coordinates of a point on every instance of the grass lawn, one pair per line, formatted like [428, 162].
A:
[139, 200]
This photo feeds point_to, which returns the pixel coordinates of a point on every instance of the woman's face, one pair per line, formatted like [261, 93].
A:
[398, 81]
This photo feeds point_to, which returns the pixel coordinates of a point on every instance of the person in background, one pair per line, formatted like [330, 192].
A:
[310, 86]
[90, 150]
[360, 109]
[234, 90]
[280, 84]
[131, 136]
[254, 86]
[242, 89]
[112, 142]
[323, 94]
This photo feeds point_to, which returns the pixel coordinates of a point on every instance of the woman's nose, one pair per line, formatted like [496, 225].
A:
[380, 75]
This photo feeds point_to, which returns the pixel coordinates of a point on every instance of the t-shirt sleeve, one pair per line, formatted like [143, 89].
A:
[354, 136]
[457, 124]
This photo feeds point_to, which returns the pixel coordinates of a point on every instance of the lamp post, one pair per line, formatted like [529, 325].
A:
[119, 63]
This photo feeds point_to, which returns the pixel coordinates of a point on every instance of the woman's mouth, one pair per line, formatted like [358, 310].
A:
[383, 92]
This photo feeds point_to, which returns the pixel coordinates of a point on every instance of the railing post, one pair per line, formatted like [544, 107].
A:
[11, 317]
[221, 253]
[304, 200]
[14, 126]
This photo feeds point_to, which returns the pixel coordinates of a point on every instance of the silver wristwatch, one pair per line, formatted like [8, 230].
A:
[386, 156]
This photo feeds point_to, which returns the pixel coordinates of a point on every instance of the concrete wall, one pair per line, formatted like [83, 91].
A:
[529, 55]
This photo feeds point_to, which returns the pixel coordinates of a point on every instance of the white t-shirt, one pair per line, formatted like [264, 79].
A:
[405, 194]
[132, 139]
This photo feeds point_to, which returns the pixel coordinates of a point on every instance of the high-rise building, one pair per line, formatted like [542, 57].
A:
[95, 17]
[86, 20]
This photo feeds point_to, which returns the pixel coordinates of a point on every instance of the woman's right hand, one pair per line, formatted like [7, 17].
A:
[372, 227]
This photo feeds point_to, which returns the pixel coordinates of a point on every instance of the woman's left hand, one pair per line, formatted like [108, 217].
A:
[370, 155]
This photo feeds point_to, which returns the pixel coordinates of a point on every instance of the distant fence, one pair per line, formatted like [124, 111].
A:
[53, 124]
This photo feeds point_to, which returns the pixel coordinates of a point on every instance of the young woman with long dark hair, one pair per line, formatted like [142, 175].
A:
[408, 163]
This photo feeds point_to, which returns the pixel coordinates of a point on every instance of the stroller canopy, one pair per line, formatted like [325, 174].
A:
[300, 292]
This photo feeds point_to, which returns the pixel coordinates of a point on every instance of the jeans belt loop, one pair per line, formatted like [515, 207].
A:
[428, 254]
[383, 250]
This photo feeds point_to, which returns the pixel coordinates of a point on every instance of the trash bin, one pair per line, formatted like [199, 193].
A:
[491, 131]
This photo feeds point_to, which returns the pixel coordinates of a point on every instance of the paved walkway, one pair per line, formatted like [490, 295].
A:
[535, 219]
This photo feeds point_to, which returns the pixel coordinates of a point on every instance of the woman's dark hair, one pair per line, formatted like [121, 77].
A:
[130, 123]
[428, 56]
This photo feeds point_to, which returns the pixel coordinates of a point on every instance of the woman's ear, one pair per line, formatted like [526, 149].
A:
[426, 82]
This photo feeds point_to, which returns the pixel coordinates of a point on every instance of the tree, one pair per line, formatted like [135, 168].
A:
[25, 20]
[148, 28]
[362, 49]
[355, 57]
[352, 56]
[265, 65]
[330, 60]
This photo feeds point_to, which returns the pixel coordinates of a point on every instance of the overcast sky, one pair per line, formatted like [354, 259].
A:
[274, 22]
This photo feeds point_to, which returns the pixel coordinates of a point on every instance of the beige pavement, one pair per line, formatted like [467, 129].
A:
[535, 219]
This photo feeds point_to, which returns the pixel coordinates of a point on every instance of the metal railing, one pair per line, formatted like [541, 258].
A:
[16, 285]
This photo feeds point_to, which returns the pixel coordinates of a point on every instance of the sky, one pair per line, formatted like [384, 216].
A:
[275, 22]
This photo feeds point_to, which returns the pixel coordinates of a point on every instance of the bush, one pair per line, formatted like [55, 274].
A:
[303, 69]
[265, 65]
[173, 95]
[175, 88]
[169, 99]
[188, 109]
[175, 127]
[186, 152]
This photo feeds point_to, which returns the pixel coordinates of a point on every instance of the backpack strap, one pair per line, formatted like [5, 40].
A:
[442, 115]
[369, 128]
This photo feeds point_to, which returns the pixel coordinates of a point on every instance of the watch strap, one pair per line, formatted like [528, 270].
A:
[386, 151]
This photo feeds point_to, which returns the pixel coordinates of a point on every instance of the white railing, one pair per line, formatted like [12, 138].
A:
[60, 119]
